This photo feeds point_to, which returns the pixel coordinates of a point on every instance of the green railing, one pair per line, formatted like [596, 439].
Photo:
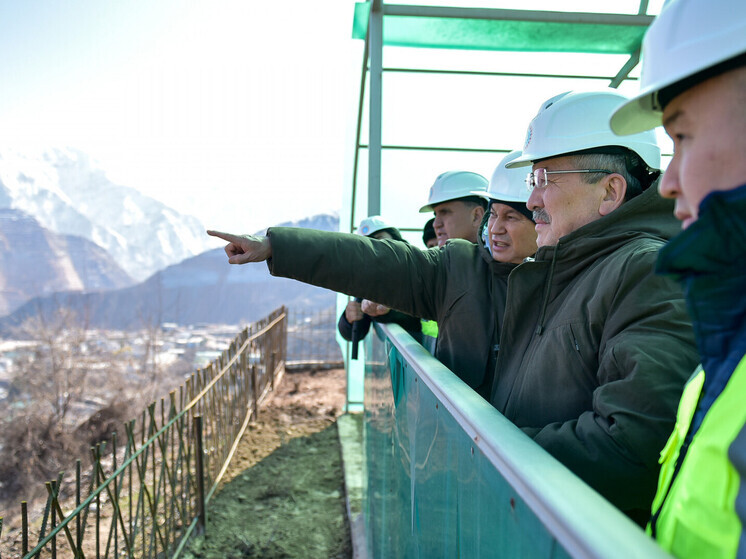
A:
[447, 475]
[148, 494]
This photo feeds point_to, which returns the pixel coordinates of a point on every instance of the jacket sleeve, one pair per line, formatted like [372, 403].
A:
[646, 355]
[345, 328]
[393, 273]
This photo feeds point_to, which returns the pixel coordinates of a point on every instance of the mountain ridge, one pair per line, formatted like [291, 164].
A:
[200, 289]
[34, 260]
[69, 194]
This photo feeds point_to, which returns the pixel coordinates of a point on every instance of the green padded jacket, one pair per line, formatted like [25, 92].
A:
[596, 349]
[458, 285]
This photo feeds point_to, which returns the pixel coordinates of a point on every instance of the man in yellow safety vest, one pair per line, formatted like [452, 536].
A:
[694, 83]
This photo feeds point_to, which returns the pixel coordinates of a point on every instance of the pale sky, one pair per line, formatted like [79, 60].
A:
[241, 112]
[233, 111]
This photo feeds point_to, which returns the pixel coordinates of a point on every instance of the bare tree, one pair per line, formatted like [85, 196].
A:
[54, 374]
[47, 383]
[71, 389]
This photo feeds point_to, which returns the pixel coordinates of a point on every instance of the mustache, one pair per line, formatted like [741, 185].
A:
[541, 214]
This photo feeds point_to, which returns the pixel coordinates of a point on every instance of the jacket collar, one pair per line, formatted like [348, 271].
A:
[709, 259]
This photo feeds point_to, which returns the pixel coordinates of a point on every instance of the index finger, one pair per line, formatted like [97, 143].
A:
[225, 236]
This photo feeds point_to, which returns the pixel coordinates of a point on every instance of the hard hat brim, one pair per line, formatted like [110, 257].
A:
[687, 43]
[636, 115]
[523, 161]
[429, 207]
[492, 198]
[480, 193]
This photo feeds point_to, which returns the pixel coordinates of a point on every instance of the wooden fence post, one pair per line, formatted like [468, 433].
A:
[24, 527]
[255, 390]
[202, 522]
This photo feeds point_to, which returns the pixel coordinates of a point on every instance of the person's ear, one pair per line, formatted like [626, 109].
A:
[477, 214]
[615, 189]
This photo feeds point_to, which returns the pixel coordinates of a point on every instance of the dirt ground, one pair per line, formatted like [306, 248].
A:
[283, 494]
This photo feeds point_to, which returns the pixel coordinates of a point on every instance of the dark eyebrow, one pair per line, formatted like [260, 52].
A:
[668, 121]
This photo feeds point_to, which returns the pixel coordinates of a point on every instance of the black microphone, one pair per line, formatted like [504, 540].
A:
[356, 332]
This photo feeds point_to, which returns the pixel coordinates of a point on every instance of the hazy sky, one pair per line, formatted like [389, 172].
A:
[231, 111]
[238, 112]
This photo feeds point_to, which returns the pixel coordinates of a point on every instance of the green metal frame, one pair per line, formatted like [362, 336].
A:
[446, 473]
[381, 24]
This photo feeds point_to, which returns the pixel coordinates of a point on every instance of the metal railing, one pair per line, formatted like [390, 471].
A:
[447, 475]
[148, 495]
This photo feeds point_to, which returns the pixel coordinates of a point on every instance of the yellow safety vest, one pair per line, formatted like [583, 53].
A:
[430, 328]
[698, 518]
[429, 335]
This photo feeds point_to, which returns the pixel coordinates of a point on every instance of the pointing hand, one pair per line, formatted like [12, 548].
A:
[242, 249]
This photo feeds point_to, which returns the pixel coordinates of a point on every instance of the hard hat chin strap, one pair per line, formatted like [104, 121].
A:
[638, 169]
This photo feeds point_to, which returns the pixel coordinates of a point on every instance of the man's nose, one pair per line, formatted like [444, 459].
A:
[534, 200]
[669, 185]
[497, 227]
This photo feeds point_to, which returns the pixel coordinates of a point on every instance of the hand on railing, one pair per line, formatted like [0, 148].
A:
[374, 309]
[353, 312]
[242, 249]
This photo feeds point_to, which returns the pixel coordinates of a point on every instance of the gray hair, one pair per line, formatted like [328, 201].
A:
[629, 166]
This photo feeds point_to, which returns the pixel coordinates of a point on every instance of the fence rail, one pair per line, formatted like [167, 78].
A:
[311, 339]
[147, 495]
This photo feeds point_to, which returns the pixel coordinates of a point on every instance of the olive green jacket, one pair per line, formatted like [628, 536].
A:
[458, 285]
[596, 348]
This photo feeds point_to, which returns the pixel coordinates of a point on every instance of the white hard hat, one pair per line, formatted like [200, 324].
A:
[579, 120]
[371, 225]
[452, 185]
[507, 185]
[687, 37]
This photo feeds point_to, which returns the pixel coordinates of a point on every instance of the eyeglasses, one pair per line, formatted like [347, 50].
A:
[540, 177]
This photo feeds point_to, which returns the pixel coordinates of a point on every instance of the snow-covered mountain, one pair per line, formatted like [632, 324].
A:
[37, 262]
[68, 194]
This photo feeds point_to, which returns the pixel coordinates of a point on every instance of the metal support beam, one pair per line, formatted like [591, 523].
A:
[375, 49]
[626, 69]
[439, 148]
[358, 132]
[517, 15]
[495, 74]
